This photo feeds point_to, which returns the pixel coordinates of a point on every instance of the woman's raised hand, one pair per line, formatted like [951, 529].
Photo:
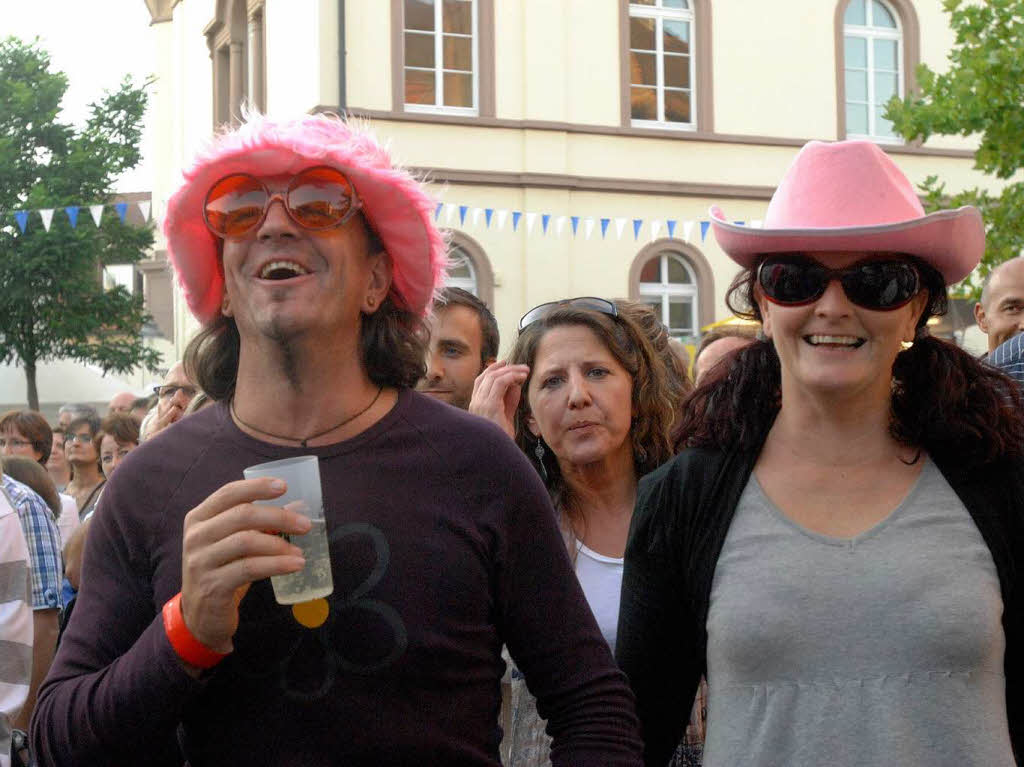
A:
[496, 394]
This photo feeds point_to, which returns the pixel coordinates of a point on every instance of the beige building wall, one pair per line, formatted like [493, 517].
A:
[554, 141]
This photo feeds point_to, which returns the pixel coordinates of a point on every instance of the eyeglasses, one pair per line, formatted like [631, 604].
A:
[316, 198]
[878, 285]
[15, 443]
[83, 438]
[584, 302]
[169, 390]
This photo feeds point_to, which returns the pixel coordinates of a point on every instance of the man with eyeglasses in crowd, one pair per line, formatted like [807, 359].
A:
[311, 261]
[173, 396]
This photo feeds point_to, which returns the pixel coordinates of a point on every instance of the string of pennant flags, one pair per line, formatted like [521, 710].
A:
[585, 226]
[490, 218]
[21, 217]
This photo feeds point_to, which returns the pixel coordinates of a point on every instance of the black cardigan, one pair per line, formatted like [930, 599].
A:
[683, 513]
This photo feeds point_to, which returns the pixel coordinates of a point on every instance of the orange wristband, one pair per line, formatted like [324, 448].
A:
[188, 648]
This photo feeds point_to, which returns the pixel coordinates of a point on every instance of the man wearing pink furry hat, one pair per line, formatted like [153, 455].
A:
[311, 261]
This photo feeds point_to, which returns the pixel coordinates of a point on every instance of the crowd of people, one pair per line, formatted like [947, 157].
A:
[801, 547]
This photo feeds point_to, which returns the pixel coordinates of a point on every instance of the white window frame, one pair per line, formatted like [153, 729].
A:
[665, 290]
[660, 14]
[870, 33]
[439, 70]
[458, 256]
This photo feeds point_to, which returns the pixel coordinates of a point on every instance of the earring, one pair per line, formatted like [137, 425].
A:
[371, 301]
[539, 452]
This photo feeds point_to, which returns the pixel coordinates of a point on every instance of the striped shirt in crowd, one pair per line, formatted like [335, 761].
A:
[43, 540]
[1009, 357]
[15, 624]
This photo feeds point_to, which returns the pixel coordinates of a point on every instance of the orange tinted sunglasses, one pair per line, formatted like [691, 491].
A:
[316, 198]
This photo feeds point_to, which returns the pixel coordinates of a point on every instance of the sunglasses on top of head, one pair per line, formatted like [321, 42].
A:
[879, 285]
[593, 303]
[316, 199]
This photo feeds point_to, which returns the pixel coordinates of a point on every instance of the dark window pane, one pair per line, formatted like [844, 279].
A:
[419, 87]
[680, 314]
[641, 69]
[419, 50]
[654, 302]
[458, 90]
[652, 273]
[856, 13]
[641, 34]
[643, 103]
[458, 52]
[677, 71]
[676, 37]
[677, 106]
[642, 2]
[458, 264]
[419, 14]
[677, 272]
[457, 16]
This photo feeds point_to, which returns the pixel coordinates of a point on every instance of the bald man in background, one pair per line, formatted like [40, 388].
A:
[1000, 312]
[121, 403]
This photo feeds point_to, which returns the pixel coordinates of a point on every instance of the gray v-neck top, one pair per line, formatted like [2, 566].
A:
[886, 648]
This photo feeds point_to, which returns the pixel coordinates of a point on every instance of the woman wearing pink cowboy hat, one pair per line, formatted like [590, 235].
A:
[838, 547]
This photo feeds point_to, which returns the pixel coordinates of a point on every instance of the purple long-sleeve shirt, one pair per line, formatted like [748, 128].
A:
[443, 547]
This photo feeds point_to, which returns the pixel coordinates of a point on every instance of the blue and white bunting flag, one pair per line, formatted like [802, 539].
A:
[72, 211]
[21, 216]
[97, 213]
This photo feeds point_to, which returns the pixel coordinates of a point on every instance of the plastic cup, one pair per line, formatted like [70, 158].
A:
[303, 495]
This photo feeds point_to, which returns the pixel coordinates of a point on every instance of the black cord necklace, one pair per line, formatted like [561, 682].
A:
[304, 442]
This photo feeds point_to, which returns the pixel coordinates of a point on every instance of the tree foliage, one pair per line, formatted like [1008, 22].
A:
[52, 301]
[981, 95]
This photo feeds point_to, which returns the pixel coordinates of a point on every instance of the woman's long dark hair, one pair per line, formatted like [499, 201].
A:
[944, 401]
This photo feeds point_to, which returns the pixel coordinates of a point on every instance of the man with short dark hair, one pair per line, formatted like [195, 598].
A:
[1000, 312]
[310, 261]
[463, 341]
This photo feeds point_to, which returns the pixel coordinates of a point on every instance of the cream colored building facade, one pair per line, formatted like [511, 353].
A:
[535, 120]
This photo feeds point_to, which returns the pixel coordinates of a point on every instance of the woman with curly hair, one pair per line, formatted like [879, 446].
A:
[838, 547]
[587, 398]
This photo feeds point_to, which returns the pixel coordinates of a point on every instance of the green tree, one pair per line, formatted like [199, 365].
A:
[982, 94]
[52, 301]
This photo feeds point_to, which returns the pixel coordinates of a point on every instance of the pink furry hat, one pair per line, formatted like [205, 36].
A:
[394, 203]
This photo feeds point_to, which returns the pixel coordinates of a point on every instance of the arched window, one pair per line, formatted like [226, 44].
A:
[461, 273]
[669, 285]
[877, 51]
[469, 268]
[676, 280]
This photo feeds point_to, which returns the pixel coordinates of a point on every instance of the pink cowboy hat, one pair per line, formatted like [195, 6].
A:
[850, 196]
[394, 203]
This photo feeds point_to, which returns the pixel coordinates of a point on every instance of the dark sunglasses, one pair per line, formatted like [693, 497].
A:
[317, 198]
[584, 302]
[878, 285]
